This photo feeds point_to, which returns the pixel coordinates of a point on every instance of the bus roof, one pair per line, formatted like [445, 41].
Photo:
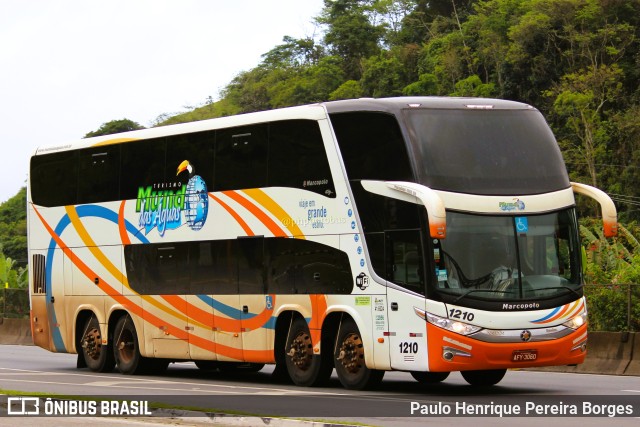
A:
[311, 112]
[393, 105]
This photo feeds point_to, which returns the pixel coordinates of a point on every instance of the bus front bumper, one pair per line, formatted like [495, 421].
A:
[453, 352]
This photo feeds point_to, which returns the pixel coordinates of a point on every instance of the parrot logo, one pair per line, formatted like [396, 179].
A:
[196, 198]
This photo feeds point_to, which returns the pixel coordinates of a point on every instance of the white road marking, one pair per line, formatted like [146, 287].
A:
[144, 383]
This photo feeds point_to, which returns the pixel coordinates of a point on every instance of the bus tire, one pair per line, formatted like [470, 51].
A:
[484, 378]
[304, 368]
[206, 365]
[239, 367]
[125, 347]
[349, 360]
[429, 377]
[97, 356]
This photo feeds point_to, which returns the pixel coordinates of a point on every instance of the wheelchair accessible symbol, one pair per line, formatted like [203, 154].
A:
[522, 224]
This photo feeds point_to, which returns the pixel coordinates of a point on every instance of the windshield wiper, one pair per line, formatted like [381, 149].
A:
[470, 291]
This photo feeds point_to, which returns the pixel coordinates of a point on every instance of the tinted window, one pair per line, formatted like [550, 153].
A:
[405, 255]
[303, 267]
[197, 150]
[142, 167]
[372, 146]
[297, 157]
[157, 269]
[241, 158]
[213, 267]
[250, 265]
[489, 152]
[54, 178]
[292, 266]
[99, 174]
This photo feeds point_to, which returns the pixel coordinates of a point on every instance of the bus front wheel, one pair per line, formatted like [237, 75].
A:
[97, 356]
[349, 360]
[429, 377]
[484, 378]
[304, 368]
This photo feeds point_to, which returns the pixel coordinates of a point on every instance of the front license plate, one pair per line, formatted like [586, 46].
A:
[524, 355]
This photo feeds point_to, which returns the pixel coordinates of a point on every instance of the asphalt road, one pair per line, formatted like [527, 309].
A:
[32, 369]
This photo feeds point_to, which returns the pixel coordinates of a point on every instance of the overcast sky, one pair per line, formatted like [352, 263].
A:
[68, 66]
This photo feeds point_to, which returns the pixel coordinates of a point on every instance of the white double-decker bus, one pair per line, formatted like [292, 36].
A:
[426, 235]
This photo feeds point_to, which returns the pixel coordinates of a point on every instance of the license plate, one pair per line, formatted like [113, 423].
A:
[524, 355]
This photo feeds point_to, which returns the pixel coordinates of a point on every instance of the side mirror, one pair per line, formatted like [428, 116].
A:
[609, 213]
[414, 193]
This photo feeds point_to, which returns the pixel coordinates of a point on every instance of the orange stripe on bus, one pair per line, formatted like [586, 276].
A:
[105, 262]
[235, 353]
[276, 210]
[562, 311]
[122, 227]
[268, 222]
[223, 324]
[235, 215]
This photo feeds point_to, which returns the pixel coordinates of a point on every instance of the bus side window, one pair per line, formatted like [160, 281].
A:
[99, 175]
[297, 157]
[54, 178]
[197, 149]
[241, 158]
[142, 166]
[250, 265]
[304, 267]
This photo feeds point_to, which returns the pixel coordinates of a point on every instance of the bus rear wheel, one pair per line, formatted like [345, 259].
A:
[484, 378]
[429, 377]
[304, 368]
[97, 356]
[125, 347]
[349, 360]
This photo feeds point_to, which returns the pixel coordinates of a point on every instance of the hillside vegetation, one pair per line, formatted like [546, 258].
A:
[578, 61]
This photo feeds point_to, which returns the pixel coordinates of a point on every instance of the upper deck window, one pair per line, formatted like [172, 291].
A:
[372, 146]
[491, 152]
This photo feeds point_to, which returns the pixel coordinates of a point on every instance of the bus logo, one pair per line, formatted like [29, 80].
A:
[525, 336]
[516, 205]
[164, 206]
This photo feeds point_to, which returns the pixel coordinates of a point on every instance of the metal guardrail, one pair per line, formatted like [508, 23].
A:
[612, 308]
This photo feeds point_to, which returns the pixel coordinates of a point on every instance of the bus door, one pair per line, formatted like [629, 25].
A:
[405, 263]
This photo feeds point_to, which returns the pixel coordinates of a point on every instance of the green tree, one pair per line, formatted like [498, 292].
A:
[350, 34]
[13, 227]
[115, 126]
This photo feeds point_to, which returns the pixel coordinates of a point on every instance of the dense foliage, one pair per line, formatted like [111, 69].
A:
[578, 61]
[115, 126]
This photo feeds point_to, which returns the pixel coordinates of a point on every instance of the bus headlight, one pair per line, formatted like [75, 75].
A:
[576, 321]
[452, 325]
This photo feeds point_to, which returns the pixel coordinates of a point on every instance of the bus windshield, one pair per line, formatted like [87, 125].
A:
[489, 152]
[508, 258]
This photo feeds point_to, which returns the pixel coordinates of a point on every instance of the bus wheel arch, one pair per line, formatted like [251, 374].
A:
[93, 350]
[294, 352]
